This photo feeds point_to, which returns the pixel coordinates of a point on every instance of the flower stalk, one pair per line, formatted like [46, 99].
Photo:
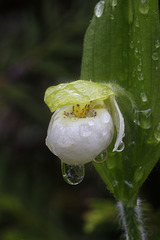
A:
[131, 218]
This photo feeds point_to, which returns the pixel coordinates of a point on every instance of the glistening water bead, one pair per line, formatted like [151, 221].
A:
[143, 96]
[140, 76]
[155, 56]
[131, 45]
[114, 3]
[99, 8]
[139, 173]
[143, 118]
[157, 133]
[101, 157]
[144, 6]
[157, 43]
[73, 174]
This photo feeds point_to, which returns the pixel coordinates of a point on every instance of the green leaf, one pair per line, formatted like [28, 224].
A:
[122, 46]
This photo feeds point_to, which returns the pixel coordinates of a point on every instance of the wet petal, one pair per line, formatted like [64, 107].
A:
[79, 91]
[79, 140]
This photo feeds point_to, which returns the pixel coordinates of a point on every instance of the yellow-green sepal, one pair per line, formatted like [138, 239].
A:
[79, 91]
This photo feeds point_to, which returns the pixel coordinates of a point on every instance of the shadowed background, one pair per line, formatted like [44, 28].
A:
[41, 45]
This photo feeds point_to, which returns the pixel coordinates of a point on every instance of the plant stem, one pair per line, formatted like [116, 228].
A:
[132, 222]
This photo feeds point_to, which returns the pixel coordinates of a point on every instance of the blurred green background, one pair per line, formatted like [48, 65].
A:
[41, 44]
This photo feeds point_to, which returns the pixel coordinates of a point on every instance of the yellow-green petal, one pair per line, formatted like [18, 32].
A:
[79, 91]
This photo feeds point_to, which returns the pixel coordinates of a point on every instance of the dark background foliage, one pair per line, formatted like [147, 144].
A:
[41, 45]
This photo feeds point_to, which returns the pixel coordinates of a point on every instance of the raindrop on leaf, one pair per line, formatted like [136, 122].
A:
[139, 68]
[115, 183]
[143, 96]
[143, 118]
[137, 22]
[111, 162]
[99, 8]
[155, 56]
[136, 51]
[144, 6]
[157, 133]
[129, 184]
[140, 76]
[112, 16]
[114, 3]
[131, 44]
[101, 157]
[157, 44]
[139, 173]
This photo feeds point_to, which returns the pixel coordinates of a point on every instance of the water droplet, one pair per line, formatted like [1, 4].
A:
[131, 44]
[111, 162]
[140, 76]
[144, 6]
[120, 147]
[85, 130]
[155, 56]
[140, 61]
[139, 68]
[157, 44]
[72, 174]
[143, 96]
[143, 118]
[131, 144]
[137, 22]
[138, 174]
[112, 16]
[157, 133]
[101, 157]
[99, 8]
[114, 3]
[115, 183]
[156, 68]
[136, 51]
[129, 184]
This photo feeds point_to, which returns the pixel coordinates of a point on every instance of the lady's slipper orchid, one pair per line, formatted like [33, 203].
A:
[82, 126]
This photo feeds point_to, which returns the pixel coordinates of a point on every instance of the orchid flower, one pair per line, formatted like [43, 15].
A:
[86, 117]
